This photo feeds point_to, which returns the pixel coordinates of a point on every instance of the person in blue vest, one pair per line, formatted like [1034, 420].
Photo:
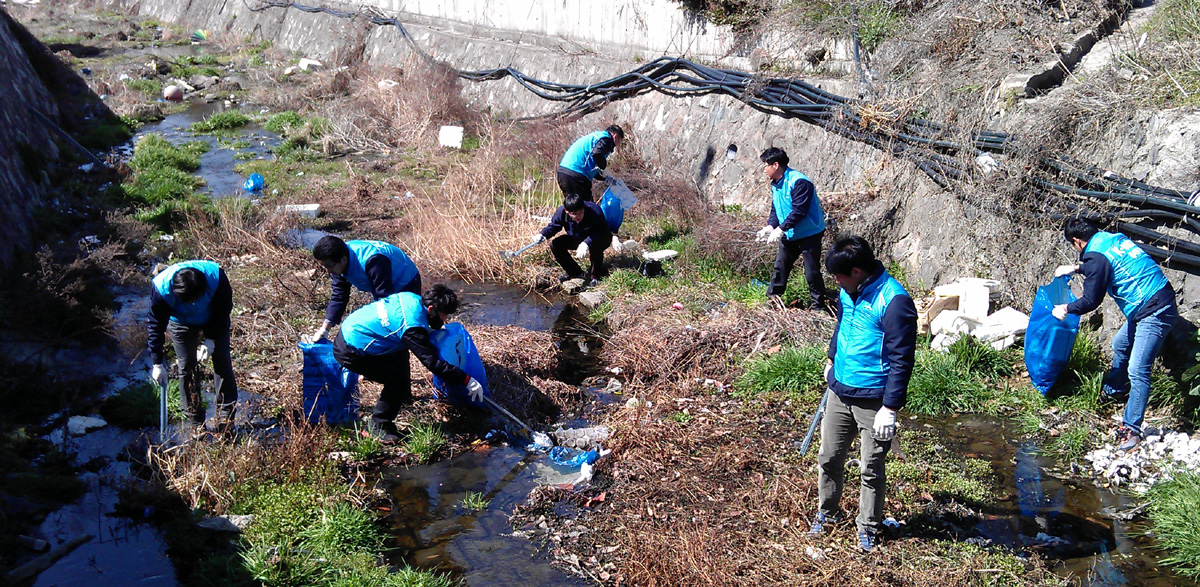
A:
[375, 267]
[870, 362]
[375, 340]
[587, 159]
[797, 222]
[189, 299]
[1114, 264]
[586, 233]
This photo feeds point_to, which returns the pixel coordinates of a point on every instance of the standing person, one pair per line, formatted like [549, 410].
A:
[1112, 263]
[586, 233]
[586, 159]
[870, 362]
[188, 299]
[797, 223]
[375, 340]
[376, 267]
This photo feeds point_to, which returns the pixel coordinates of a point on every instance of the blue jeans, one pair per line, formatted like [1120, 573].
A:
[1134, 350]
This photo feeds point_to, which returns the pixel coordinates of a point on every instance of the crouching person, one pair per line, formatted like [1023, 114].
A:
[189, 299]
[375, 340]
[586, 233]
[870, 363]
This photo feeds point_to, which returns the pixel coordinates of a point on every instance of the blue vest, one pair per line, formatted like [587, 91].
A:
[861, 361]
[403, 269]
[1135, 276]
[197, 312]
[578, 157]
[377, 328]
[781, 196]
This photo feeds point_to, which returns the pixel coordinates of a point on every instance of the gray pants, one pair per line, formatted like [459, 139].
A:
[185, 339]
[845, 419]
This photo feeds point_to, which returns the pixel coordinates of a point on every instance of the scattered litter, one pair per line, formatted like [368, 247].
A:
[1045, 538]
[891, 522]
[614, 371]
[585, 474]
[677, 306]
[254, 183]
[540, 443]
[387, 84]
[291, 70]
[662, 255]
[634, 402]
[200, 36]
[303, 210]
[814, 553]
[86, 71]
[89, 240]
[582, 438]
[572, 457]
[987, 164]
[450, 136]
[1155, 459]
[166, 237]
[173, 93]
[307, 64]
[80, 425]
[123, 77]
[613, 385]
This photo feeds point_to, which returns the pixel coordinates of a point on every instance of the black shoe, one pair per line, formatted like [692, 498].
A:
[565, 277]
[1107, 399]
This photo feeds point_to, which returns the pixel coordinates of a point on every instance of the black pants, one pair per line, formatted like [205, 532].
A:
[185, 339]
[809, 248]
[392, 370]
[563, 247]
[413, 286]
[574, 182]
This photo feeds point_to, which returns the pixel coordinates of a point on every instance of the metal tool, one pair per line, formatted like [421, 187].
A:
[162, 415]
[508, 256]
[816, 421]
[521, 429]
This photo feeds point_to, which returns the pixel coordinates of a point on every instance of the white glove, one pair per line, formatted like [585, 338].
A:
[159, 374]
[828, 370]
[616, 244]
[1065, 270]
[318, 335]
[601, 174]
[581, 251]
[1059, 311]
[205, 350]
[762, 234]
[537, 238]
[475, 389]
[775, 235]
[885, 423]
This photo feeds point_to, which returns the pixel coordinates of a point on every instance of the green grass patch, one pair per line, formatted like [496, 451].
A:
[680, 417]
[1075, 442]
[137, 406]
[283, 121]
[423, 441]
[796, 372]
[105, 132]
[981, 359]
[343, 529]
[474, 501]
[149, 87]
[1176, 521]
[944, 475]
[1176, 20]
[360, 445]
[940, 384]
[221, 121]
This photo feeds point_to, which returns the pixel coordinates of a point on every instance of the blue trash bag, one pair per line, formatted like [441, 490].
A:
[572, 457]
[455, 346]
[615, 201]
[254, 183]
[1048, 340]
[330, 391]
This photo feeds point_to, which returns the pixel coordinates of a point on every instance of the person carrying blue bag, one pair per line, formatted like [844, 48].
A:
[587, 159]
[374, 341]
[375, 267]
[1112, 263]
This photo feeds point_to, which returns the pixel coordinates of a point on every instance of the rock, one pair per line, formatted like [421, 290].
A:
[229, 523]
[173, 93]
[227, 86]
[201, 82]
[80, 425]
[147, 112]
[592, 299]
[573, 286]
[302, 210]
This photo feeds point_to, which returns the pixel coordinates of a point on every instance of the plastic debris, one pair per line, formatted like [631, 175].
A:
[173, 93]
[303, 210]
[200, 36]
[541, 443]
[1155, 459]
[450, 136]
[254, 183]
[307, 64]
[582, 438]
[572, 457]
[387, 83]
[987, 164]
[677, 306]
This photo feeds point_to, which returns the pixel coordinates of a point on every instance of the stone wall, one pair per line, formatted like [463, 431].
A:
[24, 142]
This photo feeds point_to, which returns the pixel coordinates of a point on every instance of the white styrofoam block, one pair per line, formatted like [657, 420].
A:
[659, 255]
[952, 322]
[450, 136]
[305, 210]
[974, 301]
[1002, 324]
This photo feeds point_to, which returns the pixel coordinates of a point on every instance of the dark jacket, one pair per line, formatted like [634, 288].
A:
[592, 228]
[379, 271]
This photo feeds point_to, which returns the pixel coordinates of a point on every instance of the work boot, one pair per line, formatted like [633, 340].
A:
[1127, 439]
[866, 541]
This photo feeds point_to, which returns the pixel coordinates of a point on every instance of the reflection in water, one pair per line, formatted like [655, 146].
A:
[1057, 516]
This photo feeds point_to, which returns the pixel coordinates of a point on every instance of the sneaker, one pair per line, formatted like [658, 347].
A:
[866, 541]
[819, 523]
[1127, 439]
[1107, 399]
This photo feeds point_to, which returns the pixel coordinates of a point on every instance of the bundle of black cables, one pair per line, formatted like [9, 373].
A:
[928, 145]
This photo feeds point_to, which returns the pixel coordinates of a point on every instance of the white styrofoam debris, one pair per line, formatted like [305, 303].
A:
[952, 322]
[1155, 459]
[450, 136]
[974, 301]
[307, 64]
[303, 210]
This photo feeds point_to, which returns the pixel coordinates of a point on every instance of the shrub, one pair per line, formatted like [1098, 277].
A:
[980, 358]
[342, 529]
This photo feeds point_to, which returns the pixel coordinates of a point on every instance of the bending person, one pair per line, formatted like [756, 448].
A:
[189, 299]
[375, 340]
[375, 267]
[586, 159]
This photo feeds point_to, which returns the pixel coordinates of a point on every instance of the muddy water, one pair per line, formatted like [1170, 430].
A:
[216, 165]
[430, 528]
[1046, 510]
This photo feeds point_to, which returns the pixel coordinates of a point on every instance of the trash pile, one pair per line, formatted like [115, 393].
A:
[962, 308]
[1157, 457]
